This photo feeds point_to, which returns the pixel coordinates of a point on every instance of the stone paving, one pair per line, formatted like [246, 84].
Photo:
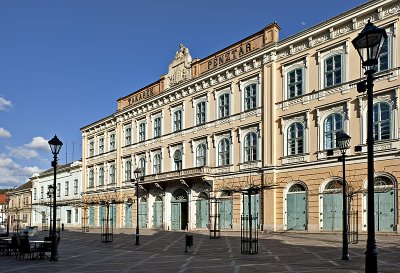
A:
[164, 251]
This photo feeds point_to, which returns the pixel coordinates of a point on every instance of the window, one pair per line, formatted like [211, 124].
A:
[223, 105]
[66, 188]
[384, 61]
[224, 152]
[101, 145]
[333, 70]
[34, 193]
[201, 113]
[142, 166]
[76, 186]
[58, 189]
[157, 164]
[296, 139]
[250, 96]
[157, 127]
[112, 174]
[69, 214]
[41, 192]
[101, 176]
[142, 131]
[382, 123]
[295, 83]
[333, 124]
[76, 215]
[201, 155]
[178, 160]
[128, 135]
[112, 141]
[250, 147]
[128, 170]
[91, 178]
[177, 120]
[91, 148]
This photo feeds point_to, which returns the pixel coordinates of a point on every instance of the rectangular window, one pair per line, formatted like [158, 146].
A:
[112, 174]
[201, 113]
[76, 215]
[34, 193]
[24, 218]
[69, 213]
[128, 136]
[383, 61]
[295, 83]
[101, 145]
[112, 141]
[177, 120]
[333, 70]
[101, 176]
[41, 192]
[76, 186]
[142, 131]
[66, 188]
[223, 106]
[58, 189]
[91, 178]
[157, 127]
[250, 97]
[91, 148]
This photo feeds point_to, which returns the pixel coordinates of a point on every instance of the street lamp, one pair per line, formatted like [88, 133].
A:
[55, 146]
[369, 44]
[50, 193]
[136, 174]
[343, 141]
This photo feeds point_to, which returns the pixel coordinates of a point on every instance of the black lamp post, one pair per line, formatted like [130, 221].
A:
[50, 193]
[136, 174]
[55, 146]
[369, 45]
[343, 141]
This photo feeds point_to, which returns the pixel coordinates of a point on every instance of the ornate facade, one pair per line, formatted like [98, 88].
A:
[259, 114]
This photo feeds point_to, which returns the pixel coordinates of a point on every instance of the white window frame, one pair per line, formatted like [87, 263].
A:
[242, 89]
[127, 179]
[153, 122]
[322, 56]
[196, 102]
[303, 119]
[140, 124]
[217, 95]
[153, 157]
[127, 137]
[91, 147]
[172, 150]
[173, 128]
[112, 144]
[287, 68]
[101, 144]
[243, 132]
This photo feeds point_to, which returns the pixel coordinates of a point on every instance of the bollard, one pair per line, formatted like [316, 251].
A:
[62, 226]
[189, 242]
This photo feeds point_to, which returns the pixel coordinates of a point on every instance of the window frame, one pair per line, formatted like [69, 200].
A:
[250, 153]
[224, 110]
[201, 114]
[199, 157]
[177, 124]
[296, 140]
[224, 156]
[157, 163]
[128, 135]
[332, 132]
[142, 131]
[157, 127]
[378, 135]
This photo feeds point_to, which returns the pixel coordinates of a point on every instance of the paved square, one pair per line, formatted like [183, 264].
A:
[164, 251]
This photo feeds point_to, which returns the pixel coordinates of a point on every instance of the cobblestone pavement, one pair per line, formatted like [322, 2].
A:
[164, 251]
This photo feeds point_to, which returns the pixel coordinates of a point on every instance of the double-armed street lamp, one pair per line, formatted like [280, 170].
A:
[343, 141]
[136, 174]
[55, 146]
[369, 44]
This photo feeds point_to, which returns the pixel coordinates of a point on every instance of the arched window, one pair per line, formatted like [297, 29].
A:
[91, 178]
[101, 176]
[295, 139]
[297, 188]
[156, 164]
[250, 147]
[112, 174]
[142, 166]
[224, 152]
[333, 186]
[178, 160]
[128, 170]
[332, 125]
[382, 121]
[250, 96]
[201, 155]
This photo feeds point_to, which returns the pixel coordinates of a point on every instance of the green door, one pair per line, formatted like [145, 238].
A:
[332, 211]
[143, 213]
[113, 215]
[158, 214]
[102, 215]
[202, 210]
[128, 215]
[296, 211]
[384, 211]
[91, 216]
[225, 213]
[175, 215]
[255, 207]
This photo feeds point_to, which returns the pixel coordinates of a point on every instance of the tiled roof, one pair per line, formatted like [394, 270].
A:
[3, 198]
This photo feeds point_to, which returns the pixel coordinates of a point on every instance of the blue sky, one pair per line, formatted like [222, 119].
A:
[64, 63]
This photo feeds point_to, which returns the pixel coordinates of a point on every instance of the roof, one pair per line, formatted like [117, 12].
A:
[3, 198]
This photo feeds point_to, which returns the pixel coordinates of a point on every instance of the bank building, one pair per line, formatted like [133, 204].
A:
[259, 116]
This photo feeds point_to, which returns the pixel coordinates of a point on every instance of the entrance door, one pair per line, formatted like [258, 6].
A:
[225, 213]
[175, 215]
[296, 208]
[91, 216]
[143, 213]
[255, 207]
[202, 211]
[128, 215]
[384, 211]
[179, 210]
[158, 212]
[332, 211]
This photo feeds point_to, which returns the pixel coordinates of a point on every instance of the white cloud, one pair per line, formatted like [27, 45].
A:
[38, 143]
[4, 133]
[5, 104]
[23, 153]
[12, 174]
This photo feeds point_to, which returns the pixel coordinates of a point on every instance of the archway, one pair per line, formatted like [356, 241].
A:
[179, 210]
[296, 207]
[384, 203]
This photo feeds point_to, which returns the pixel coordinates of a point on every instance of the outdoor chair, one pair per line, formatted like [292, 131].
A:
[24, 247]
